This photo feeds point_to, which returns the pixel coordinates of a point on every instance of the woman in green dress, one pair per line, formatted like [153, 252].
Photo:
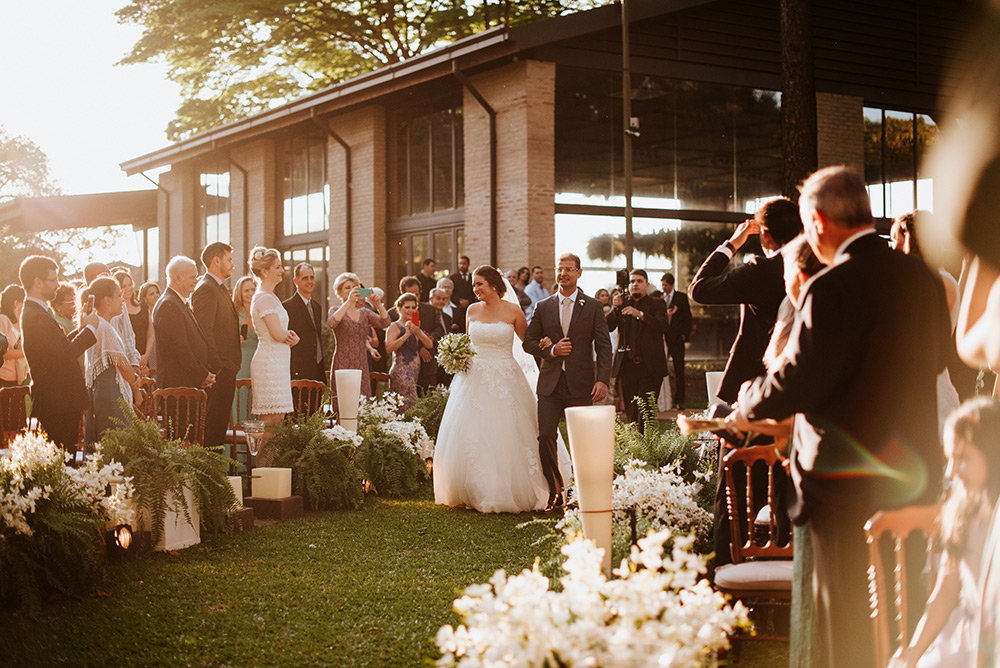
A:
[242, 294]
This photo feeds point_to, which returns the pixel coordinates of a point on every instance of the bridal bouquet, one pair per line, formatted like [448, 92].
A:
[658, 611]
[455, 353]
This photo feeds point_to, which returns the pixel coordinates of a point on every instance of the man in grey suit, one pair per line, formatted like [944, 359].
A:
[568, 375]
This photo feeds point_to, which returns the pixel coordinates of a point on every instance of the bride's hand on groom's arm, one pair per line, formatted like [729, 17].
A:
[544, 343]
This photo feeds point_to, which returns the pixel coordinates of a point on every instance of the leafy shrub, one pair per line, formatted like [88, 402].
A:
[323, 470]
[159, 467]
[429, 409]
[388, 464]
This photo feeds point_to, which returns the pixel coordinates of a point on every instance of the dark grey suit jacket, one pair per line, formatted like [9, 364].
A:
[214, 310]
[588, 331]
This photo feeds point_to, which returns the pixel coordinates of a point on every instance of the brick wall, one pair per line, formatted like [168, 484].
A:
[523, 96]
[364, 131]
[840, 131]
[178, 230]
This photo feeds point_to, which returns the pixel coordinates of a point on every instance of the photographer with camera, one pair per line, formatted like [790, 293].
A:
[640, 363]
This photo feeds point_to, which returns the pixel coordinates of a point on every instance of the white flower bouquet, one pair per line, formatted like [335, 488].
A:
[455, 353]
[658, 611]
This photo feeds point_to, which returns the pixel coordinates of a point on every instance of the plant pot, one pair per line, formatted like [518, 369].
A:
[178, 533]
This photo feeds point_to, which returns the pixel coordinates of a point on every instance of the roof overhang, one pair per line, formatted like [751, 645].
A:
[39, 214]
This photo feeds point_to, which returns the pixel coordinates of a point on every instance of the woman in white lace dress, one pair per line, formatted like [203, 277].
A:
[270, 369]
[486, 455]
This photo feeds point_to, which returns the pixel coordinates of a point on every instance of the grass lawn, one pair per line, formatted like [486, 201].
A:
[362, 588]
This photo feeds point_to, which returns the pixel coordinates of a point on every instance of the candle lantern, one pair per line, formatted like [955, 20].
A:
[592, 445]
[348, 394]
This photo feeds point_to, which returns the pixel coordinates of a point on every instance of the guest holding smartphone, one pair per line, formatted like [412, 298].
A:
[350, 322]
[406, 339]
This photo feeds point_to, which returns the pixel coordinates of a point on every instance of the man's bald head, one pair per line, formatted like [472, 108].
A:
[182, 275]
[93, 270]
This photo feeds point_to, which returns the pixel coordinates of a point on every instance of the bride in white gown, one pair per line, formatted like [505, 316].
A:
[486, 456]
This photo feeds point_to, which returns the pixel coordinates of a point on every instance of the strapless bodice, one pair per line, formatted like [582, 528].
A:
[492, 340]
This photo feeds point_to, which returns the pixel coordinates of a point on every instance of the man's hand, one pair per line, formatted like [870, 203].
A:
[599, 392]
[464, 303]
[737, 422]
[633, 311]
[617, 301]
[209, 380]
[743, 232]
[425, 355]
[544, 342]
[89, 319]
[292, 338]
[563, 348]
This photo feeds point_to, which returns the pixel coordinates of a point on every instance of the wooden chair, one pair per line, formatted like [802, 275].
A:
[235, 436]
[13, 413]
[148, 386]
[382, 378]
[889, 603]
[307, 396]
[760, 574]
[181, 413]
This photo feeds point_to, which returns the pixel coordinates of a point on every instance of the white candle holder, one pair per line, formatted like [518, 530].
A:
[348, 395]
[592, 446]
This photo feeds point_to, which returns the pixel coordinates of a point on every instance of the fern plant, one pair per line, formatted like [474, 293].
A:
[429, 409]
[323, 470]
[160, 468]
[391, 468]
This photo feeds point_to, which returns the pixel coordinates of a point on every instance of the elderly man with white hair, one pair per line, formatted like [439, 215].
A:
[181, 346]
[451, 310]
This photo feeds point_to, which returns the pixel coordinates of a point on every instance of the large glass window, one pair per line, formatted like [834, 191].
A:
[303, 190]
[408, 251]
[703, 146]
[429, 163]
[895, 143]
[319, 257]
[213, 203]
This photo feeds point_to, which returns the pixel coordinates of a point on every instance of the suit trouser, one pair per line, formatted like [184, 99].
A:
[840, 585]
[675, 347]
[63, 429]
[220, 407]
[550, 412]
[632, 383]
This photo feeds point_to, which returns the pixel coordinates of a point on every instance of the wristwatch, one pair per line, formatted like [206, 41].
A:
[729, 245]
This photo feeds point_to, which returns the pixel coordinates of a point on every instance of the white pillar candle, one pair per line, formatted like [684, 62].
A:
[271, 483]
[348, 394]
[236, 482]
[592, 445]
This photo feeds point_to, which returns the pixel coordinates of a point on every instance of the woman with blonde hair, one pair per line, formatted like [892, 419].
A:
[270, 368]
[243, 293]
[350, 322]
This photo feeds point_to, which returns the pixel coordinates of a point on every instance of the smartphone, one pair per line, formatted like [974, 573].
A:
[364, 293]
[415, 318]
[90, 304]
[244, 331]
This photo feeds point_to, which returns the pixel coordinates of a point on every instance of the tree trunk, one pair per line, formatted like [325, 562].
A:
[798, 97]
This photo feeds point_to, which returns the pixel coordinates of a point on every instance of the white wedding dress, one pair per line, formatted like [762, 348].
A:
[270, 368]
[486, 456]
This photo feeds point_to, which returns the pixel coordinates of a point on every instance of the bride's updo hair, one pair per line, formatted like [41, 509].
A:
[491, 276]
[261, 259]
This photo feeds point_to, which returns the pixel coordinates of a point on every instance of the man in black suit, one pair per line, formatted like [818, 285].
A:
[640, 363]
[678, 332]
[58, 394]
[181, 347]
[214, 310]
[567, 375]
[437, 323]
[426, 278]
[305, 318]
[865, 351]
[758, 287]
[461, 294]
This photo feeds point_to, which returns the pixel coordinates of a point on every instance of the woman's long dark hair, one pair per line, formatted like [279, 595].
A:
[9, 298]
[491, 276]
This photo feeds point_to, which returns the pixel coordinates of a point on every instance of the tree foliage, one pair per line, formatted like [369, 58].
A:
[237, 57]
[24, 169]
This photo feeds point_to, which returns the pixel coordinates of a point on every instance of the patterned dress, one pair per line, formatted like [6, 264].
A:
[351, 350]
[405, 369]
[270, 369]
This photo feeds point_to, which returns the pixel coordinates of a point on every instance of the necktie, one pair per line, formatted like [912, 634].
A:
[566, 314]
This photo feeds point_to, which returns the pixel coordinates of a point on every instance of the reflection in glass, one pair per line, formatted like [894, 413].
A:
[895, 142]
[429, 163]
[305, 196]
[213, 204]
[444, 254]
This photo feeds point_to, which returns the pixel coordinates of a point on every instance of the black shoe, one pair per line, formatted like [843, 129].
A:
[556, 503]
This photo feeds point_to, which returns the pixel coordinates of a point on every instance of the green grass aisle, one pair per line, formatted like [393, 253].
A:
[365, 588]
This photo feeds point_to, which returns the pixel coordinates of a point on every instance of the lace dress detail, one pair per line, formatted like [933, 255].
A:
[486, 455]
[270, 369]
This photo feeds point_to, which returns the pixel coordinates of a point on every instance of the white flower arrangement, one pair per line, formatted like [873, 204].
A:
[455, 353]
[374, 410]
[413, 435]
[661, 499]
[338, 433]
[658, 611]
[32, 463]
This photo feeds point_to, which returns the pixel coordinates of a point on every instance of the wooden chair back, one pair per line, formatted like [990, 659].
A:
[307, 396]
[181, 413]
[889, 601]
[13, 412]
[148, 386]
[381, 378]
[744, 547]
[236, 437]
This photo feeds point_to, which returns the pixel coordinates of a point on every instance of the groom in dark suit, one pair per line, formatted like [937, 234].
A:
[305, 318]
[865, 351]
[567, 376]
[58, 393]
[214, 310]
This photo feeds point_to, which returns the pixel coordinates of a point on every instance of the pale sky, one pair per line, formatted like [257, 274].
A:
[63, 91]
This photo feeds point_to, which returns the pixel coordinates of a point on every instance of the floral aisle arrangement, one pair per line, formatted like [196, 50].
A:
[322, 461]
[393, 449]
[655, 499]
[50, 519]
[429, 410]
[455, 353]
[657, 611]
[160, 468]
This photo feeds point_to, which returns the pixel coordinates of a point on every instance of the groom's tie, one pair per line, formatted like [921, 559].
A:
[565, 315]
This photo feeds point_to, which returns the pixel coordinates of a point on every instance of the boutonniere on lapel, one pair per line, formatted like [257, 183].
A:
[580, 302]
